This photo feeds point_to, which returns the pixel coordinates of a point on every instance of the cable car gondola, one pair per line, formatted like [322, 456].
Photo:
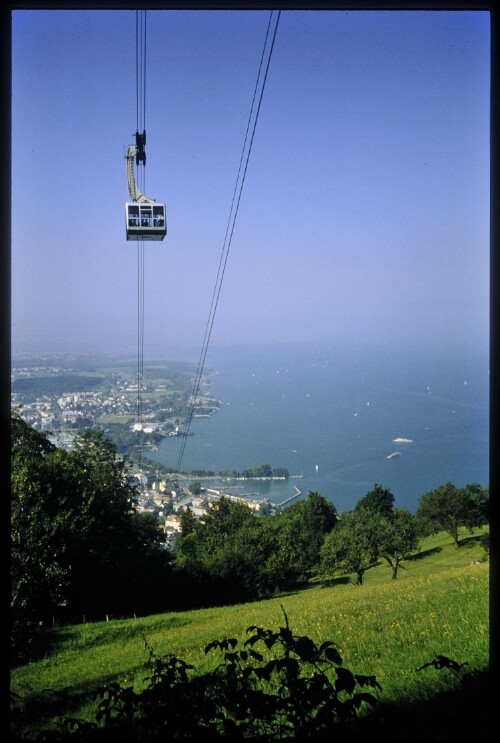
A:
[145, 219]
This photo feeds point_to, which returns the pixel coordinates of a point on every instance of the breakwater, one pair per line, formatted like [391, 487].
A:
[292, 497]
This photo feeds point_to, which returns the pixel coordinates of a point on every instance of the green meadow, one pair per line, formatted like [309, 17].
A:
[439, 605]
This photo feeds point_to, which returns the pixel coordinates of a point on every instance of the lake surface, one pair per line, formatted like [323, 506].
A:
[331, 416]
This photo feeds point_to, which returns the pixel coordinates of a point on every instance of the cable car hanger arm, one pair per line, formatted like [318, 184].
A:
[134, 192]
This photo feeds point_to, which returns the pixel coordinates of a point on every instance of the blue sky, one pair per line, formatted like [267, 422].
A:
[365, 210]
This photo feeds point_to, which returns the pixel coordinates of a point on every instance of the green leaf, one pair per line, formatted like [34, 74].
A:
[305, 648]
[255, 655]
[345, 680]
[333, 655]
[367, 681]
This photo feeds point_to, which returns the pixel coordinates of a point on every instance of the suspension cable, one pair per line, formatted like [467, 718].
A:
[140, 72]
[233, 212]
[140, 68]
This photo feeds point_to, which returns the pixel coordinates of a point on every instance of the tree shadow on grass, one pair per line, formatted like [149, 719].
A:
[424, 553]
[469, 541]
[342, 581]
[36, 710]
[50, 641]
[286, 592]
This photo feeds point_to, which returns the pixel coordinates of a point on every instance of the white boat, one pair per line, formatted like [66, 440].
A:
[401, 440]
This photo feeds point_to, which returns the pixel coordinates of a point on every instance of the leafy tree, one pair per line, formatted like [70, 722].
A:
[379, 500]
[281, 472]
[246, 556]
[144, 565]
[223, 519]
[249, 556]
[264, 470]
[77, 544]
[185, 547]
[219, 554]
[235, 565]
[317, 517]
[265, 509]
[102, 523]
[188, 521]
[229, 473]
[283, 551]
[38, 575]
[353, 546]
[395, 536]
[398, 538]
[447, 508]
[318, 513]
[480, 502]
[195, 487]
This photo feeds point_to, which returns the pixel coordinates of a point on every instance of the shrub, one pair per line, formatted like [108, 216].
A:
[276, 686]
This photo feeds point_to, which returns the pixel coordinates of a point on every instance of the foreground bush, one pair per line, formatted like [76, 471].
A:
[276, 686]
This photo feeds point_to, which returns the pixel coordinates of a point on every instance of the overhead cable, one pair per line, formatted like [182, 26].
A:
[233, 213]
[140, 73]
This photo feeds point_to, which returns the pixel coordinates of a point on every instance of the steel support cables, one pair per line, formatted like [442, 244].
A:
[140, 337]
[140, 73]
[140, 68]
[260, 84]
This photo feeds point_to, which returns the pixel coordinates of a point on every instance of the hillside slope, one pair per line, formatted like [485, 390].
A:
[438, 606]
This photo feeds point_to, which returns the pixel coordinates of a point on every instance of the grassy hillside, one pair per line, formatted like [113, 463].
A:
[437, 606]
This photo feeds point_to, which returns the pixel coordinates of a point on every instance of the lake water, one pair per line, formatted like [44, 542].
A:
[331, 417]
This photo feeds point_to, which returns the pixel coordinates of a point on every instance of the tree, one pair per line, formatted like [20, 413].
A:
[353, 546]
[185, 548]
[263, 470]
[398, 538]
[395, 536]
[47, 522]
[317, 517]
[447, 508]
[188, 521]
[221, 522]
[284, 558]
[236, 565]
[101, 525]
[281, 472]
[248, 556]
[143, 565]
[379, 501]
[265, 508]
[318, 513]
[479, 501]
[218, 555]
[39, 577]
[77, 544]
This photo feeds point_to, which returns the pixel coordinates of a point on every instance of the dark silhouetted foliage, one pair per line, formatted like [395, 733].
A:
[275, 686]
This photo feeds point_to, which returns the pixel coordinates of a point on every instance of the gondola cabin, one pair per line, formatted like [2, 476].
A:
[145, 221]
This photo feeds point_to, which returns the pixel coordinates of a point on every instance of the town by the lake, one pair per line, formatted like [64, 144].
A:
[64, 395]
